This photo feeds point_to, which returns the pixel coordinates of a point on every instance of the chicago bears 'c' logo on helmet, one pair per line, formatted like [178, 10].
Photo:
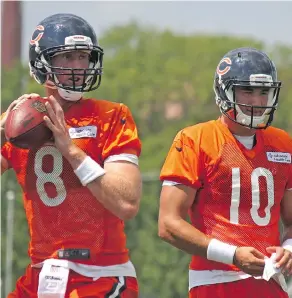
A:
[38, 33]
[224, 66]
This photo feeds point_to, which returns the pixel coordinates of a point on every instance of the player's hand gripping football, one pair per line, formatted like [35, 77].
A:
[11, 106]
[57, 124]
[249, 260]
[283, 259]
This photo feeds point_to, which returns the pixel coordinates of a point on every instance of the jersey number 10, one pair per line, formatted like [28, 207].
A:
[255, 195]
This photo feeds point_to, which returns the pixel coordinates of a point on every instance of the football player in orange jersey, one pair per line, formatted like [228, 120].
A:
[79, 189]
[234, 178]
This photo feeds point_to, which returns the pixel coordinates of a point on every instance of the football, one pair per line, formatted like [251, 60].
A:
[25, 127]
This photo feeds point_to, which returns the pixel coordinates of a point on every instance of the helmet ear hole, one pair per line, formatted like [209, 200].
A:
[37, 74]
[217, 89]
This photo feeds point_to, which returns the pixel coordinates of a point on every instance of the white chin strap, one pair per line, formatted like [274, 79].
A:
[69, 95]
[257, 121]
[65, 94]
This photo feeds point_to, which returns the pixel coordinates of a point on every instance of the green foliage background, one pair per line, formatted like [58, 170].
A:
[147, 70]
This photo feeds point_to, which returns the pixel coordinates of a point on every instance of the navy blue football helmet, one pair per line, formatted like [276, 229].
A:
[246, 67]
[65, 33]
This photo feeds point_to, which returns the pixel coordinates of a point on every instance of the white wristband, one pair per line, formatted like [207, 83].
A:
[88, 170]
[220, 252]
[287, 244]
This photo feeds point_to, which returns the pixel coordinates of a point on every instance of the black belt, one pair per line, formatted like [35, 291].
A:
[74, 253]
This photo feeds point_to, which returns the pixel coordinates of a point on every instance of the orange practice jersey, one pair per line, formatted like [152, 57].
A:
[239, 191]
[61, 213]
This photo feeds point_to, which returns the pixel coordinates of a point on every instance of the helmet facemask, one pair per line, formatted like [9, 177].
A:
[229, 106]
[91, 76]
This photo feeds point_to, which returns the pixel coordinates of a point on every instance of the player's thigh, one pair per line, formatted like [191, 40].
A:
[27, 285]
[250, 287]
[105, 287]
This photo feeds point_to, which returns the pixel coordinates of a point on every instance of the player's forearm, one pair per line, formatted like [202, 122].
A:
[184, 236]
[74, 155]
[118, 193]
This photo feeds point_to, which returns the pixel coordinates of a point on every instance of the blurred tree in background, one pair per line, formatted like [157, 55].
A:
[167, 81]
